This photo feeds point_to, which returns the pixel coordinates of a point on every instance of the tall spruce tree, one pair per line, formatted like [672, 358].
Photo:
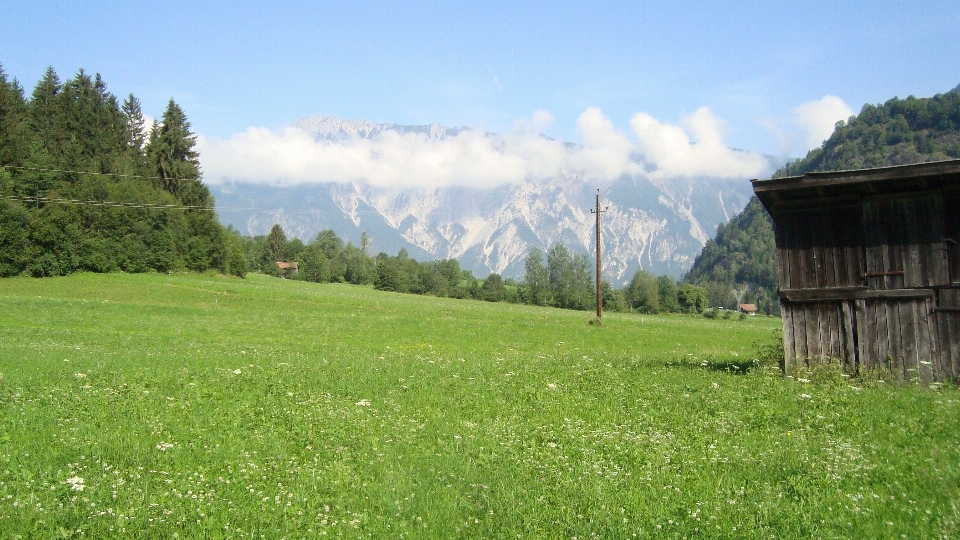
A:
[45, 114]
[14, 134]
[171, 153]
[135, 157]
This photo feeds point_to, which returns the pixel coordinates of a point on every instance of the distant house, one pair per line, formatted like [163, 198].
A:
[869, 265]
[288, 269]
[749, 309]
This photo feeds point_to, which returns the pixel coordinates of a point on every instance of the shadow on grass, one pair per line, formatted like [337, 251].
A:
[735, 367]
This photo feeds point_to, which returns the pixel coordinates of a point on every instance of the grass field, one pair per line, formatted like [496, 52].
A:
[155, 406]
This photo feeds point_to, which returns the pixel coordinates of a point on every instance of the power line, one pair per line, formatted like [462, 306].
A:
[118, 175]
[104, 203]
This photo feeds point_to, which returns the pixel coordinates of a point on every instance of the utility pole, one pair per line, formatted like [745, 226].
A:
[598, 211]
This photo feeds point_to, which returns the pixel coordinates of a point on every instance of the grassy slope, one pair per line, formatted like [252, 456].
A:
[298, 410]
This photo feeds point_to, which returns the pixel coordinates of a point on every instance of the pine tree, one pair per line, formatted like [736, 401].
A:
[14, 133]
[92, 122]
[135, 124]
[171, 153]
[45, 114]
[277, 243]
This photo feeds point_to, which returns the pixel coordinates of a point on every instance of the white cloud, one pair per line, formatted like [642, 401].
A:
[292, 156]
[813, 122]
[668, 149]
[540, 121]
[479, 159]
[817, 118]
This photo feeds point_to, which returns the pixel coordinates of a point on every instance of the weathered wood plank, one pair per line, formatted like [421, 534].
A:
[849, 343]
[808, 266]
[908, 334]
[799, 334]
[873, 259]
[818, 248]
[826, 340]
[793, 239]
[894, 335]
[942, 325]
[820, 295]
[836, 334]
[854, 249]
[812, 333]
[951, 233]
[829, 255]
[926, 357]
[939, 269]
[882, 333]
[789, 348]
[939, 370]
[783, 253]
[949, 345]
[864, 359]
[914, 269]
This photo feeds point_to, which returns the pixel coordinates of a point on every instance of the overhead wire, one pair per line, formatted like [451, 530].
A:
[118, 175]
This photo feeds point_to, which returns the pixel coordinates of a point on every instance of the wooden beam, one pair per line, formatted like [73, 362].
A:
[850, 293]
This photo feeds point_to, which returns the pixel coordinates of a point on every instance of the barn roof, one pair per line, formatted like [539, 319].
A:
[847, 186]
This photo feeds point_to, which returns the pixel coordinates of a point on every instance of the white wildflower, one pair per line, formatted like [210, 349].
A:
[552, 386]
[164, 446]
[237, 372]
[75, 483]
[363, 403]
[803, 380]
[80, 375]
[806, 396]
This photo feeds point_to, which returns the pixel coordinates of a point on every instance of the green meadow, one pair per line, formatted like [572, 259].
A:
[196, 406]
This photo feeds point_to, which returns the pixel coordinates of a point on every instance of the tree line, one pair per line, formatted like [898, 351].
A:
[83, 179]
[559, 278]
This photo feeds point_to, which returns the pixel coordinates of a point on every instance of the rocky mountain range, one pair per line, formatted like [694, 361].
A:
[658, 225]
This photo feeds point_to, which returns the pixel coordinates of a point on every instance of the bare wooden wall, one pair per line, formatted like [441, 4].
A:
[872, 283]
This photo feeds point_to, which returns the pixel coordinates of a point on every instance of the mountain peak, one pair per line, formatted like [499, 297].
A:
[336, 128]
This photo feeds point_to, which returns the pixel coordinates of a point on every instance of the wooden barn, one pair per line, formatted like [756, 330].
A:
[869, 266]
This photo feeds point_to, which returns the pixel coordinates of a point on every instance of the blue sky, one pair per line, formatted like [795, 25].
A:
[237, 65]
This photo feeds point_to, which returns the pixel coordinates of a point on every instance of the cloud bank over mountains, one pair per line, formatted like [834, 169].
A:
[473, 158]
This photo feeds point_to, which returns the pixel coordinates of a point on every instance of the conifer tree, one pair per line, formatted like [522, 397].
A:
[135, 124]
[45, 114]
[13, 121]
[277, 243]
[171, 152]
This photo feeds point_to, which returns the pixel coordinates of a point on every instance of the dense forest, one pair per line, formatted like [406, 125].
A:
[740, 263]
[85, 185]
